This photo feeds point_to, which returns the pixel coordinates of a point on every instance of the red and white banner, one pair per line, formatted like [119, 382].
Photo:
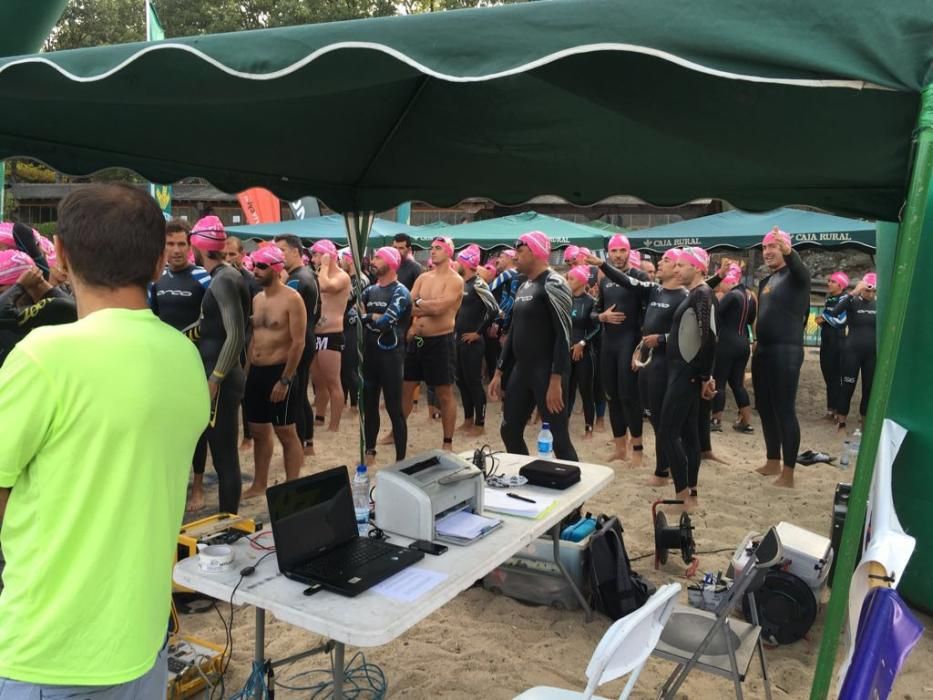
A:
[260, 206]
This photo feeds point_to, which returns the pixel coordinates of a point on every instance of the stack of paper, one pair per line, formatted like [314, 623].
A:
[463, 526]
[498, 502]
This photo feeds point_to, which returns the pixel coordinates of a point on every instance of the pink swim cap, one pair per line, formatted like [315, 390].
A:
[390, 256]
[775, 235]
[538, 243]
[469, 256]
[345, 254]
[491, 267]
[733, 275]
[446, 243]
[840, 278]
[570, 253]
[582, 255]
[507, 253]
[208, 234]
[6, 234]
[672, 254]
[619, 241]
[581, 273]
[634, 258]
[871, 279]
[271, 256]
[13, 263]
[248, 263]
[325, 247]
[697, 257]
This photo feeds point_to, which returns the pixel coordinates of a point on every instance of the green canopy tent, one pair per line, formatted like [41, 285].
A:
[741, 230]
[583, 99]
[316, 228]
[505, 230]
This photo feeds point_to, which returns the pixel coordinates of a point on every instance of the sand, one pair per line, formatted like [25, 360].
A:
[482, 645]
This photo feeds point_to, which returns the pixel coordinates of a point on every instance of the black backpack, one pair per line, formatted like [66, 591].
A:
[615, 590]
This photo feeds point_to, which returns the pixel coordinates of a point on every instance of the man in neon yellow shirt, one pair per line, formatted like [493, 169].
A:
[100, 419]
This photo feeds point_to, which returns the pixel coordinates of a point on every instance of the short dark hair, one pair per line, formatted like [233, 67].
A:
[403, 238]
[113, 235]
[178, 226]
[291, 240]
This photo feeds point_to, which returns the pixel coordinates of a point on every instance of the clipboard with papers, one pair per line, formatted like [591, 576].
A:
[464, 527]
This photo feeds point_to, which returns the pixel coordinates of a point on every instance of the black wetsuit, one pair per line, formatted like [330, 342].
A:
[221, 337]
[584, 328]
[383, 360]
[176, 296]
[537, 347]
[783, 308]
[350, 355]
[16, 320]
[302, 280]
[737, 310]
[832, 336]
[476, 313]
[859, 350]
[616, 347]
[691, 350]
[408, 272]
[503, 288]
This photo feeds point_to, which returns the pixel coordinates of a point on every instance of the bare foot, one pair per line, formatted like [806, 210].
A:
[769, 469]
[309, 449]
[387, 440]
[253, 492]
[786, 479]
[246, 445]
[600, 424]
[477, 430]
[637, 457]
[621, 456]
[354, 410]
[588, 434]
[334, 428]
[465, 426]
[370, 459]
[710, 456]
[691, 503]
[655, 480]
[196, 502]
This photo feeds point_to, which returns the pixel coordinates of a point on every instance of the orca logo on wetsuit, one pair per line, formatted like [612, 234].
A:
[173, 292]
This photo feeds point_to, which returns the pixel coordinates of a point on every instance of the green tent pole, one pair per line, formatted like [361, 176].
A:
[908, 248]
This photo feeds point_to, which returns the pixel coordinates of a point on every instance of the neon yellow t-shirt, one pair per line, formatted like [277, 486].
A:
[99, 422]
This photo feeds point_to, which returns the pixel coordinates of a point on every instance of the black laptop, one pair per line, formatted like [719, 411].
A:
[317, 541]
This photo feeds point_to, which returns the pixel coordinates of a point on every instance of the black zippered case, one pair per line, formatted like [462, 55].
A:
[552, 475]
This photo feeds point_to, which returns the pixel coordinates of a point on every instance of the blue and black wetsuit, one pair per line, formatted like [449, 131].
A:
[783, 308]
[737, 311]
[859, 350]
[584, 328]
[476, 313]
[221, 336]
[832, 335]
[617, 344]
[303, 281]
[176, 296]
[537, 347]
[691, 350]
[383, 360]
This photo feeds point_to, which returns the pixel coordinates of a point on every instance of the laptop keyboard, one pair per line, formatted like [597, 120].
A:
[348, 558]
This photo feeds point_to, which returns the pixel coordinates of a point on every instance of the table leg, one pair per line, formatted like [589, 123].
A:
[555, 536]
[338, 670]
[259, 655]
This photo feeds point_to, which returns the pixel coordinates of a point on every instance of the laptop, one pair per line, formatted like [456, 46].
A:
[317, 540]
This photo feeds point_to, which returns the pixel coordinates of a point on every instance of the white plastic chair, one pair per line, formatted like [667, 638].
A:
[624, 648]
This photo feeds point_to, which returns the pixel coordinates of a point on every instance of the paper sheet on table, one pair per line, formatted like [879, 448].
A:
[464, 525]
[498, 502]
[409, 584]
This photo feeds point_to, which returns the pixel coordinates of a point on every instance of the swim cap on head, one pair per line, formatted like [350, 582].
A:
[776, 235]
[570, 253]
[619, 241]
[733, 275]
[581, 273]
[271, 256]
[345, 254]
[46, 246]
[305, 260]
[672, 254]
[469, 256]
[871, 279]
[634, 258]
[491, 267]
[446, 243]
[248, 263]
[13, 263]
[390, 256]
[208, 234]
[840, 278]
[697, 257]
[6, 235]
[538, 243]
[325, 247]
[507, 253]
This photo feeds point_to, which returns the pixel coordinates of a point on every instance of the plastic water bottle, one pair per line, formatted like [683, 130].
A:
[854, 445]
[844, 456]
[545, 441]
[361, 499]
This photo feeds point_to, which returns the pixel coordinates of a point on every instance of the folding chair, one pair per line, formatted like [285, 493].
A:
[716, 643]
[624, 648]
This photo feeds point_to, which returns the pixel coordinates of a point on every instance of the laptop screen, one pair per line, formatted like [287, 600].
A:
[310, 516]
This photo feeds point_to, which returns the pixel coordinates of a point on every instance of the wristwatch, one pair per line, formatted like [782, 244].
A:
[418, 302]
[285, 382]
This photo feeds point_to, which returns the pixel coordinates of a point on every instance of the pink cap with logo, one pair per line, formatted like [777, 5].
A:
[870, 280]
[325, 247]
[469, 256]
[672, 254]
[697, 257]
[248, 263]
[619, 241]
[390, 256]
[581, 273]
[775, 235]
[570, 253]
[6, 235]
[13, 263]
[507, 253]
[271, 256]
[446, 243]
[634, 258]
[208, 234]
[538, 243]
[840, 278]
[733, 275]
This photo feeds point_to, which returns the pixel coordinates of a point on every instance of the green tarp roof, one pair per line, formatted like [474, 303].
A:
[760, 104]
[318, 227]
[739, 229]
[505, 230]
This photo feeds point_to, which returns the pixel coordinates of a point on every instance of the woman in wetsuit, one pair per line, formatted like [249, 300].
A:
[832, 335]
[737, 311]
[583, 329]
[858, 348]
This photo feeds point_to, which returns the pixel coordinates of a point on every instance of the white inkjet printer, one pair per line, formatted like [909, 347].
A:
[414, 493]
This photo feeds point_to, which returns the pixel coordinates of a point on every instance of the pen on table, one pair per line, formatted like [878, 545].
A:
[520, 498]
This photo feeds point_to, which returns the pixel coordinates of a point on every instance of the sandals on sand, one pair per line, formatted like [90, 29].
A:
[741, 427]
[810, 457]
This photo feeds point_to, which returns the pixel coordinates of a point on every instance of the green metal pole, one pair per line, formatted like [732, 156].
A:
[908, 248]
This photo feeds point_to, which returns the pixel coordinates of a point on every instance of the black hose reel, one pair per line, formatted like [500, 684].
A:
[678, 538]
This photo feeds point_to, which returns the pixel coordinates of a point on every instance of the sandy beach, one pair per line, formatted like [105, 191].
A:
[483, 645]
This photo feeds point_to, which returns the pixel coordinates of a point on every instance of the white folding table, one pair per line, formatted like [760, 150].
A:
[370, 619]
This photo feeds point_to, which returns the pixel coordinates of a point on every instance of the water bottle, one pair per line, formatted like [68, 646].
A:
[854, 444]
[844, 457]
[545, 441]
[361, 499]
